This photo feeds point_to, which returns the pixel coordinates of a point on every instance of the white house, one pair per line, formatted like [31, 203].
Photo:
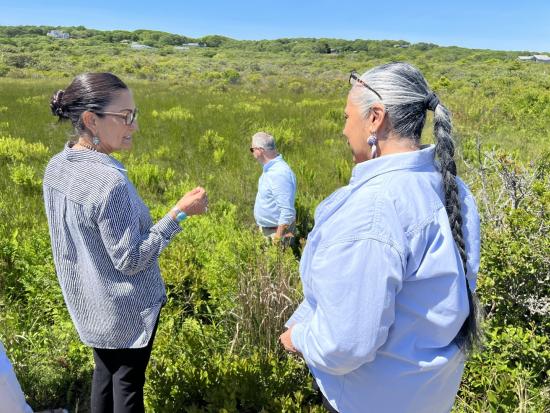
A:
[58, 34]
[186, 46]
[541, 58]
[139, 46]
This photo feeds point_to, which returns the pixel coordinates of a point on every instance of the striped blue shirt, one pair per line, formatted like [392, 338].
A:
[105, 249]
[385, 291]
[276, 193]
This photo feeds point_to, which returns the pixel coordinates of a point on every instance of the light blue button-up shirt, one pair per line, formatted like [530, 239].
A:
[385, 291]
[11, 395]
[276, 193]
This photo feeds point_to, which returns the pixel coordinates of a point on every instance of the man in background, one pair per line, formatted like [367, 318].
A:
[274, 208]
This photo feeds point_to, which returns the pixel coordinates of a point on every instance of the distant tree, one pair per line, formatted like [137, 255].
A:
[214, 40]
[424, 46]
[20, 61]
[360, 45]
[322, 47]
[15, 31]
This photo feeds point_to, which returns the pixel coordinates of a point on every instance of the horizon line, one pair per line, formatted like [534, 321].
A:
[275, 38]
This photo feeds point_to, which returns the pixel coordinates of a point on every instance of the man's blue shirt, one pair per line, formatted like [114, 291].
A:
[276, 193]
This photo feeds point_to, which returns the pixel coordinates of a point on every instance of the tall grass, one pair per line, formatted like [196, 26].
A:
[228, 293]
[266, 298]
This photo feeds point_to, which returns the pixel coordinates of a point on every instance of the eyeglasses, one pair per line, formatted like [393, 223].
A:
[254, 147]
[129, 116]
[354, 77]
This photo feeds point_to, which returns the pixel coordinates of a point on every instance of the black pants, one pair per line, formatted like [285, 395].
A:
[119, 377]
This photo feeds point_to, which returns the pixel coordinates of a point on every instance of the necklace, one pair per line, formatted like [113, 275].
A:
[87, 146]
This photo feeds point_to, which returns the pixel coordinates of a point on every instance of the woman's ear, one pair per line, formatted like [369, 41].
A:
[89, 121]
[377, 115]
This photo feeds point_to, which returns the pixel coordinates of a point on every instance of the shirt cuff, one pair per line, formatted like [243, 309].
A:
[291, 321]
[297, 336]
[286, 219]
[302, 314]
[167, 227]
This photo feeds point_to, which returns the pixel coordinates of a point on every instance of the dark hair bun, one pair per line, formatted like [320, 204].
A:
[87, 92]
[56, 104]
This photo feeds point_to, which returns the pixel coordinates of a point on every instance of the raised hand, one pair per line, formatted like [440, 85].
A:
[194, 202]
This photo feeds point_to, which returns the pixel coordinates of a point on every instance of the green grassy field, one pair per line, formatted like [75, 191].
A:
[229, 294]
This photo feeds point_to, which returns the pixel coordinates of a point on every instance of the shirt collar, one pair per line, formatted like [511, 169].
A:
[273, 162]
[86, 155]
[406, 160]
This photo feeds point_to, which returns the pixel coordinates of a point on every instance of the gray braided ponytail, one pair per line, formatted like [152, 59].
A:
[406, 97]
[468, 336]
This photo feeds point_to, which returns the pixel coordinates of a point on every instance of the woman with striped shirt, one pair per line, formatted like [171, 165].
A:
[104, 243]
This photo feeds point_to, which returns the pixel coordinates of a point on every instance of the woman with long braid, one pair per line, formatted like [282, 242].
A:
[390, 267]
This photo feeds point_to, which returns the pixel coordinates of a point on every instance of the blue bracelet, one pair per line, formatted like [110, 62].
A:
[180, 215]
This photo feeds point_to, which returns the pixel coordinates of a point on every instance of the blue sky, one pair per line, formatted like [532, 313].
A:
[500, 25]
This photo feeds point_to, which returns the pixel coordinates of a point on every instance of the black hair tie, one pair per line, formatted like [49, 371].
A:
[431, 101]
